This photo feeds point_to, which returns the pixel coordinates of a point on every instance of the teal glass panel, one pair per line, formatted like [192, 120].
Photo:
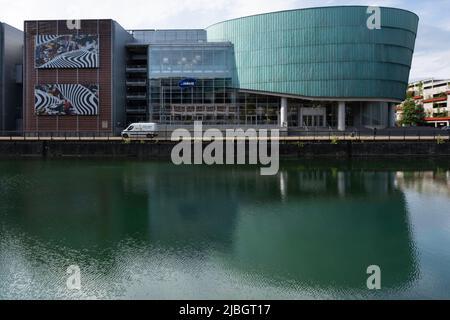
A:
[323, 52]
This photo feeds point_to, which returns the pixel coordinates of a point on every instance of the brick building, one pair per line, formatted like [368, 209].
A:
[74, 75]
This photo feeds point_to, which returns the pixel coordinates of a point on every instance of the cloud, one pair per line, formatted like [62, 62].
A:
[430, 60]
[135, 14]
[431, 64]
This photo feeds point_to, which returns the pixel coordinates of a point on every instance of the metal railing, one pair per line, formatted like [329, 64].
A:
[60, 135]
[165, 134]
[394, 134]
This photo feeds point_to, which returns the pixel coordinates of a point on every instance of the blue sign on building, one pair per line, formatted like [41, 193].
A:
[187, 83]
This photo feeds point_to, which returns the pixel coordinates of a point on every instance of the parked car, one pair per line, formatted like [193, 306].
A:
[141, 130]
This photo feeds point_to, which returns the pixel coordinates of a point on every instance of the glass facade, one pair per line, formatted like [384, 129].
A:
[375, 114]
[316, 114]
[214, 98]
[169, 36]
[201, 61]
[323, 52]
[241, 70]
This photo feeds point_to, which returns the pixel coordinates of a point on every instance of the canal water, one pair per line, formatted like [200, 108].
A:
[151, 230]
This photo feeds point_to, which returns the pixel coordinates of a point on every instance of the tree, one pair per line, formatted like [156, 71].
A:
[413, 114]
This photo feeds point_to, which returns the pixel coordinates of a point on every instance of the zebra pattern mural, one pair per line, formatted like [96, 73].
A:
[66, 51]
[41, 39]
[66, 99]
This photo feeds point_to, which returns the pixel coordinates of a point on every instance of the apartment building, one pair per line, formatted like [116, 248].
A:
[434, 95]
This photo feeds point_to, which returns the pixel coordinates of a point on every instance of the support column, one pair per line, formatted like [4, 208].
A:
[284, 113]
[392, 115]
[341, 116]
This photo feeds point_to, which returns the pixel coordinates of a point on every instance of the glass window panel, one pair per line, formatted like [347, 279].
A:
[219, 60]
[209, 83]
[219, 83]
[208, 60]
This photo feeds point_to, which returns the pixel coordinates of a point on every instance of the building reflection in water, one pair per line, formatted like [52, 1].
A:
[321, 238]
[427, 182]
[309, 227]
[313, 227]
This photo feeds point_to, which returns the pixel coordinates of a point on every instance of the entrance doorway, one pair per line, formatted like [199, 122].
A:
[251, 120]
[313, 117]
[313, 121]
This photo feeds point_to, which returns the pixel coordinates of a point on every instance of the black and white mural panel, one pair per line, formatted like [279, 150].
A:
[66, 99]
[66, 51]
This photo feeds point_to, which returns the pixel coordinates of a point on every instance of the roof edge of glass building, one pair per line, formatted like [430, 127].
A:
[324, 52]
[312, 8]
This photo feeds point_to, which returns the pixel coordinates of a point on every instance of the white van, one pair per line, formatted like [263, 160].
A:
[141, 130]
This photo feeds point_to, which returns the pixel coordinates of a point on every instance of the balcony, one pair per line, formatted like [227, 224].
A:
[136, 109]
[136, 83]
[138, 57]
[438, 99]
[136, 96]
[136, 69]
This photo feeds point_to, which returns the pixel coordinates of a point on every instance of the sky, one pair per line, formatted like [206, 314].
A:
[431, 58]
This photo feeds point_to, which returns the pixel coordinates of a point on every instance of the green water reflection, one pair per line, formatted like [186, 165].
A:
[153, 230]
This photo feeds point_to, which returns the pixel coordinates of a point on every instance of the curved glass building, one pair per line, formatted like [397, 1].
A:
[332, 54]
